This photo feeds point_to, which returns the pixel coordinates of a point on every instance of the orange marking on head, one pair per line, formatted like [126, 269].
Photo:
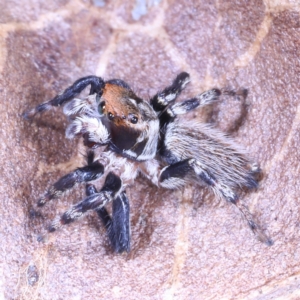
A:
[117, 103]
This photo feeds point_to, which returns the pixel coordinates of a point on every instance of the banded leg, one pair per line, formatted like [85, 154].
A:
[117, 226]
[90, 172]
[162, 99]
[201, 100]
[174, 175]
[111, 188]
[97, 85]
[184, 107]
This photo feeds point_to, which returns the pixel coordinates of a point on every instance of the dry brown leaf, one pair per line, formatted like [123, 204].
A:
[186, 245]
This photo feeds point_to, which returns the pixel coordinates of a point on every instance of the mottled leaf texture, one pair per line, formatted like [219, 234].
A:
[185, 244]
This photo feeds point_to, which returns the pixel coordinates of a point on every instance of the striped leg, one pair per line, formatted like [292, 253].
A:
[96, 83]
[174, 175]
[162, 99]
[117, 226]
[111, 188]
[201, 100]
[88, 173]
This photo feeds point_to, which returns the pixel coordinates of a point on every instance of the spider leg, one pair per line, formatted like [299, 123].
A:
[117, 226]
[201, 100]
[97, 85]
[90, 172]
[111, 188]
[162, 99]
[173, 176]
[186, 106]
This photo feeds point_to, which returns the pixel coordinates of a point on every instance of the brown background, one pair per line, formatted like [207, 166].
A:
[185, 244]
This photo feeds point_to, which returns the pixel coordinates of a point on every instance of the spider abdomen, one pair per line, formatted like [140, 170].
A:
[218, 154]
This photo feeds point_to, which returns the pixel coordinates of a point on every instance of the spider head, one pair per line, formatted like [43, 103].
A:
[120, 106]
[132, 123]
[118, 118]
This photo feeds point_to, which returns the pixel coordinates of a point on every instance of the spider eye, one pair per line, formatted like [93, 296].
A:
[101, 108]
[133, 119]
[110, 116]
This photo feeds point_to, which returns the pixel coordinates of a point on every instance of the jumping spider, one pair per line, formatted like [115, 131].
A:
[126, 135]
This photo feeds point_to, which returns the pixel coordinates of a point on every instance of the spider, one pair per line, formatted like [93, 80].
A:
[126, 136]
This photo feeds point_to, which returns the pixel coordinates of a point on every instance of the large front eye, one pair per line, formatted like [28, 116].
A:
[110, 116]
[101, 108]
[133, 119]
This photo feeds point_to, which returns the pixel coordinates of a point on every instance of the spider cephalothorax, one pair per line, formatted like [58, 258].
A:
[118, 118]
[141, 137]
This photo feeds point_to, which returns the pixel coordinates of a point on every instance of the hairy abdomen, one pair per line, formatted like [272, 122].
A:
[217, 153]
